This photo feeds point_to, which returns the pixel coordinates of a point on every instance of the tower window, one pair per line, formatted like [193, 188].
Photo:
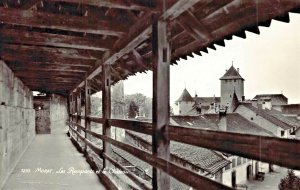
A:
[234, 80]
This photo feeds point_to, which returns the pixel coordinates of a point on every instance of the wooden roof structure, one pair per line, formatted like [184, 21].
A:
[54, 45]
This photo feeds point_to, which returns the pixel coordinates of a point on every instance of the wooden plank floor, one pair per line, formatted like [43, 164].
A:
[52, 151]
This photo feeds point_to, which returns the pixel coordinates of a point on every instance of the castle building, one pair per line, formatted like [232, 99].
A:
[231, 82]
[185, 103]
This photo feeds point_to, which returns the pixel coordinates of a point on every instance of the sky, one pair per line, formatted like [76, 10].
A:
[269, 63]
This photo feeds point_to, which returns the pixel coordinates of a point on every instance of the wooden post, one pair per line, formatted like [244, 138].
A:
[69, 111]
[87, 110]
[161, 93]
[72, 111]
[106, 109]
[78, 108]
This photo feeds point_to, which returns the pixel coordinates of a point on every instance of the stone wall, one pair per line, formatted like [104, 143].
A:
[58, 112]
[51, 112]
[17, 120]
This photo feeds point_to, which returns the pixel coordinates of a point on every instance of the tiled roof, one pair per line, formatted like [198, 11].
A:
[235, 123]
[185, 96]
[239, 124]
[201, 121]
[268, 116]
[293, 121]
[207, 100]
[204, 158]
[231, 73]
[263, 96]
[175, 184]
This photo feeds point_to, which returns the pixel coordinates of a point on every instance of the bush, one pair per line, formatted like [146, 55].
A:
[290, 182]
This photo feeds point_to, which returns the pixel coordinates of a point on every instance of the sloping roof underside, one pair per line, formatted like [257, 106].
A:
[52, 45]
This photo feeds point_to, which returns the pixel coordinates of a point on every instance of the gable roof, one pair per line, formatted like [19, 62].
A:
[185, 97]
[206, 159]
[207, 100]
[266, 114]
[235, 123]
[175, 184]
[265, 96]
[231, 73]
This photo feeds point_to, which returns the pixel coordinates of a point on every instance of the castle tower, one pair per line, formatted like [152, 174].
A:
[185, 103]
[231, 84]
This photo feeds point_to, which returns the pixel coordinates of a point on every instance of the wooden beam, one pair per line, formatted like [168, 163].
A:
[78, 100]
[49, 69]
[39, 59]
[279, 151]
[49, 51]
[138, 59]
[161, 97]
[194, 27]
[177, 7]
[48, 74]
[37, 19]
[53, 40]
[118, 4]
[29, 4]
[139, 33]
[181, 174]
[87, 107]
[106, 110]
[26, 65]
[136, 179]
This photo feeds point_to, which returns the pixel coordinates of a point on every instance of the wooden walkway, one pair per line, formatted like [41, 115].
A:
[44, 158]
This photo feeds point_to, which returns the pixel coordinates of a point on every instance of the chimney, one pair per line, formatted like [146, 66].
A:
[238, 70]
[222, 119]
[243, 98]
[254, 103]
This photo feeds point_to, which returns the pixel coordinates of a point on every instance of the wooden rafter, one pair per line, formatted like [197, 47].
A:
[54, 40]
[61, 22]
[194, 27]
[28, 4]
[140, 32]
[119, 4]
[49, 52]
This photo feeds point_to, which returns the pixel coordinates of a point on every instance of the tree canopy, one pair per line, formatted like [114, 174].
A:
[290, 182]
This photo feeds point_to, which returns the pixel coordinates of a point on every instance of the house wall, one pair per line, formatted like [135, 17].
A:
[184, 107]
[240, 169]
[227, 88]
[298, 134]
[17, 120]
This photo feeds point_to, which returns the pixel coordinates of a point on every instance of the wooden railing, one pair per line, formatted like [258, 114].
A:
[283, 152]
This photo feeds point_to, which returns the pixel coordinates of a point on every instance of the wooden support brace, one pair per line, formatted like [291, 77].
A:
[106, 109]
[161, 93]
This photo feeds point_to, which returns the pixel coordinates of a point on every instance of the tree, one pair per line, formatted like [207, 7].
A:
[290, 182]
[143, 103]
[96, 106]
[133, 110]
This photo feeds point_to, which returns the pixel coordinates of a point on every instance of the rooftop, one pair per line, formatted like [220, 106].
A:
[231, 73]
[185, 97]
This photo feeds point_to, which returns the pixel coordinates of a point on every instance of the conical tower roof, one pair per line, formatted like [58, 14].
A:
[185, 97]
[231, 73]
